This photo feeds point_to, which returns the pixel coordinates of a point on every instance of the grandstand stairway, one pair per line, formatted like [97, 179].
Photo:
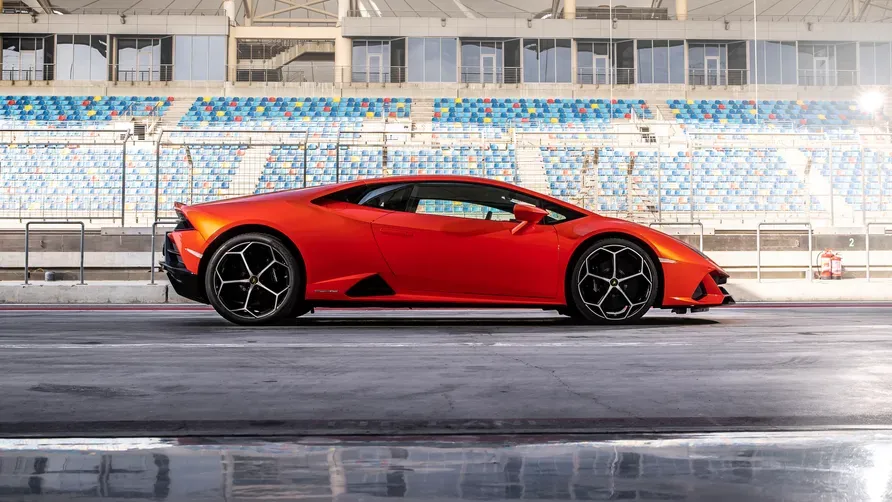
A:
[531, 169]
[661, 110]
[247, 176]
[173, 114]
[422, 110]
[289, 54]
[818, 185]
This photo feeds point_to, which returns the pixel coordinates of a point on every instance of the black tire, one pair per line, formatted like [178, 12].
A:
[251, 297]
[619, 284]
[300, 309]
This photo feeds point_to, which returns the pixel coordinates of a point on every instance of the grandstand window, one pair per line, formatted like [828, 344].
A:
[199, 58]
[773, 62]
[825, 63]
[147, 59]
[81, 57]
[717, 63]
[876, 66]
[546, 60]
[490, 61]
[593, 62]
[27, 58]
[380, 60]
[660, 61]
[432, 59]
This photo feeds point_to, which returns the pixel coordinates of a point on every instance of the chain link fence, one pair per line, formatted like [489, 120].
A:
[108, 177]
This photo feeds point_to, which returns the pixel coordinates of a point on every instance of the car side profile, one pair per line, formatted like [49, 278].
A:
[428, 241]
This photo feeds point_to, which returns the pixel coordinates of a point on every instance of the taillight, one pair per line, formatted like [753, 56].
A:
[182, 222]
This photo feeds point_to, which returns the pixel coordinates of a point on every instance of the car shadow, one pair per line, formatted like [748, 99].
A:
[489, 322]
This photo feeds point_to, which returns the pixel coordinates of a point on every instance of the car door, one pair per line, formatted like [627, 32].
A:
[456, 239]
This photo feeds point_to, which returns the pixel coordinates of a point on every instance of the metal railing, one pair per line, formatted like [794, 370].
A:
[155, 225]
[700, 76]
[39, 73]
[867, 244]
[481, 75]
[784, 224]
[129, 73]
[28, 236]
[828, 78]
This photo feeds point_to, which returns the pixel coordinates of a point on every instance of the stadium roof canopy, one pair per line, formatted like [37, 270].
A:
[297, 11]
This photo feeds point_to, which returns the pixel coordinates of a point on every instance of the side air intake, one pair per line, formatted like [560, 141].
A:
[373, 285]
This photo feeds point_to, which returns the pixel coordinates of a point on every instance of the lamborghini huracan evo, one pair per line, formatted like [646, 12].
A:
[429, 241]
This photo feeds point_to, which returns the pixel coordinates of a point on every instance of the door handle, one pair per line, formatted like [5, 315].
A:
[396, 231]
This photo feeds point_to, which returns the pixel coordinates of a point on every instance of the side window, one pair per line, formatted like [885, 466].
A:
[463, 200]
[388, 197]
[477, 201]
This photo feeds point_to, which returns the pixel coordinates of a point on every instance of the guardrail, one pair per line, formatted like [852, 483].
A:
[155, 226]
[681, 224]
[28, 235]
[785, 224]
[867, 245]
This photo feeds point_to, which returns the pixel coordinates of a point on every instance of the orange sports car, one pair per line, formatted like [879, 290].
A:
[429, 241]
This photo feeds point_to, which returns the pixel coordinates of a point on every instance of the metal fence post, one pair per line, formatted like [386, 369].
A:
[659, 184]
[830, 164]
[152, 251]
[124, 180]
[28, 235]
[691, 182]
[863, 186]
[867, 245]
[158, 174]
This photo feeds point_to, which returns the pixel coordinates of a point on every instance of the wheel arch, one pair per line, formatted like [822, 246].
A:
[613, 235]
[247, 229]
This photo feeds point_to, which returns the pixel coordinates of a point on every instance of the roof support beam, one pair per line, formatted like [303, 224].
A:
[292, 6]
[249, 9]
[40, 6]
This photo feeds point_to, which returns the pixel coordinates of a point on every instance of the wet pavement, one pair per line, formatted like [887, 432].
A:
[806, 466]
[176, 373]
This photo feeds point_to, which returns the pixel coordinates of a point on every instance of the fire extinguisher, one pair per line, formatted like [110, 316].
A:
[826, 259]
[836, 267]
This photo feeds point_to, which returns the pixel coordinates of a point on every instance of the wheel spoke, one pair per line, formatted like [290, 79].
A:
[624, 279]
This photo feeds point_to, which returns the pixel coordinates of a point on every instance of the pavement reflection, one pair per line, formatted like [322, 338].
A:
[851, 466]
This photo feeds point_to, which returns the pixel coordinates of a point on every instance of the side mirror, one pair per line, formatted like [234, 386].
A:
[527, 215]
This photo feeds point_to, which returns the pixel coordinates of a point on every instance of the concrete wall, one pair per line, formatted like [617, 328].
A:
[650, 92]
[111, 25]
[598, 28]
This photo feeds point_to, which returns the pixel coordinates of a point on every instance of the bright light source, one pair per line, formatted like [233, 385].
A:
[872, 101]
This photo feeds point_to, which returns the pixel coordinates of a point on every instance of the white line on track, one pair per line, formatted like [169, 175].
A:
[354, 345]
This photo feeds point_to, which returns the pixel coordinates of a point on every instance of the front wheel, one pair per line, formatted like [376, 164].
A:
[614, 281]
[253, 279]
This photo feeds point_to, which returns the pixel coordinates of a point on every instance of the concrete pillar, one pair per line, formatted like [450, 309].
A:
[569, 9]
[343, 59]
[681, 9]
[574, 56]
[232, 56]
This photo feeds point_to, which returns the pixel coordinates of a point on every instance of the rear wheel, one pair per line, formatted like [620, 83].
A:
[614, 281]
[253, 279]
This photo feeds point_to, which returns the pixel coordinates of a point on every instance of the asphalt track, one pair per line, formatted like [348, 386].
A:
[181, 372]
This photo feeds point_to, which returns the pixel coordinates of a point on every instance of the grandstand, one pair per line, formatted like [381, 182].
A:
[269, 99]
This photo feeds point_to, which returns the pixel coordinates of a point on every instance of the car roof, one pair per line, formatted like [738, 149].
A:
[445, 178]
